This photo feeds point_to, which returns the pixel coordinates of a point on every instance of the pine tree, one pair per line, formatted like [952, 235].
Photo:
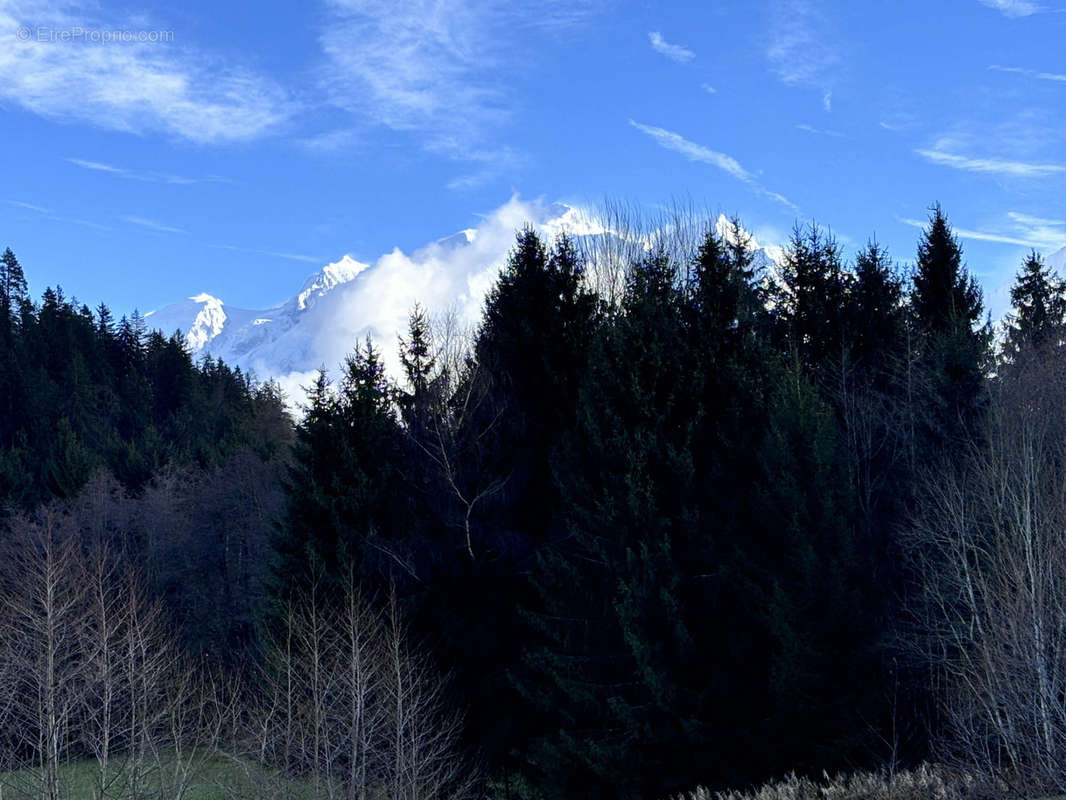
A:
[418, 362]
[13, 288]
[946, 306]
[1037, 322]
[806, 574]
[346, 498]
[811, 301]
[530, 349]
[945, 297]
[611, 611]
[875, 310]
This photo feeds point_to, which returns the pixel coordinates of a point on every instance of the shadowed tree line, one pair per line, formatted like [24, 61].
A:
[669, 516]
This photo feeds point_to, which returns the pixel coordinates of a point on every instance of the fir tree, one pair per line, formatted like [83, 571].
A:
[946, 306]
[1037, 321]
[13, 288]
[875, 309]
[418, 362]
[945, 297]
[346, 498]
[811, 302]
[612, 617]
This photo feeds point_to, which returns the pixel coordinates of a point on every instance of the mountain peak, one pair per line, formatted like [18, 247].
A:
[329, 277]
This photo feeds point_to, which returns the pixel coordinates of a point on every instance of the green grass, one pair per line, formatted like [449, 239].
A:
[213, 779]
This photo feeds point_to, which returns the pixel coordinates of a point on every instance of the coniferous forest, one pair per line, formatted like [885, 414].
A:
[666, 522]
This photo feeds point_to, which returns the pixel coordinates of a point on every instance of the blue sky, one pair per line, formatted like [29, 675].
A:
[236, 149]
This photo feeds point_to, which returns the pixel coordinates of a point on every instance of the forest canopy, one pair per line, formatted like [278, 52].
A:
[667, 518]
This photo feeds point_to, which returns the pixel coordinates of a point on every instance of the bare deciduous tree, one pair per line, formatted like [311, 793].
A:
[989, 546]
[92, 671]
[349, 708]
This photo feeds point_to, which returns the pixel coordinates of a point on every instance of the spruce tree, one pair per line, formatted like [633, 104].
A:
[1037, 322]
[418, 362]
[13, 288]
[946, 306]
[876, 315]
[612, 667]
[346, 498]
[529, 351]
[811, 301]
[945, 296]
[806, 573]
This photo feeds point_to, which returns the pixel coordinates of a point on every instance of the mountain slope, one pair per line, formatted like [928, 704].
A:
[348, 300]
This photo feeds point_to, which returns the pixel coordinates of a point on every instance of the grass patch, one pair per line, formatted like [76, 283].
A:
[215, 778]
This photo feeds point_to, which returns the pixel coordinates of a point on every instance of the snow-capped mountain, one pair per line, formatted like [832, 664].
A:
[348, 300]
[272, 341]
[1057, 261]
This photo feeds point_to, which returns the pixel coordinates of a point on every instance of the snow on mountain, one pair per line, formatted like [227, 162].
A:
[201, 318]
[348, 300]
[328, 278]
[1057, 261]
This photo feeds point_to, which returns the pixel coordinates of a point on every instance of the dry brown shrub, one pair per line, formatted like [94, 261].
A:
[924, 783]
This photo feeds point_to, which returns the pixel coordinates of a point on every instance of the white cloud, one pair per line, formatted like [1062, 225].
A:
[819, 131]
[1013, 8]
[708, 88]
[801, 49]
[272, 253]
[129, 86]
[151, 224]
[435, 68]
[27, 206]
[1023, 230]
[451, 275]
[1013, 169]
[674, 52]
[693, 151]
[1029, 73]
[49, 215]
[148, 177]
[699, 153]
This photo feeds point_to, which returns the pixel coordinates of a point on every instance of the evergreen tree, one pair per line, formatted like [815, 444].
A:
[811, 301]
[613, 667]
[530, 349]
[946, 306]
[491, 465]
[807, 575]
[875, 310]
[944, 296]
[13, 288]
[347, 501]
[1038, 319]
[418, 362]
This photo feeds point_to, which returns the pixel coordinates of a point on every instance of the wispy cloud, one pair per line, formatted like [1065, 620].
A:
[801, 49]
[148, 177]
[819, 131]
[435, 68]
[151, 224]
[272, 253]
[129, 86]
[1018, 229]
[674, 52]
[995, 166]
[1014, 8]
[704, 155]
[48, 214]
[1029, 73]
[28, 206]
[708, 88]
